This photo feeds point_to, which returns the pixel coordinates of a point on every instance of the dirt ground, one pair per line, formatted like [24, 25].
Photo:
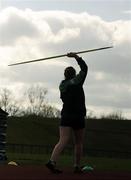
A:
[10, 172]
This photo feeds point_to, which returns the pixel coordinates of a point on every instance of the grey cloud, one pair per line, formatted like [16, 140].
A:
[14, 28]
[40, 72]
[55, 24]
[108, 94]
[108, 81]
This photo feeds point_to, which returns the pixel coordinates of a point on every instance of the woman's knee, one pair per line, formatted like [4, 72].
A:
[64, 135]
[63, 141]
[79, 136]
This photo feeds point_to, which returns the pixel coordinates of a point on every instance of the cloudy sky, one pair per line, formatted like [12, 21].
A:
[31, 29]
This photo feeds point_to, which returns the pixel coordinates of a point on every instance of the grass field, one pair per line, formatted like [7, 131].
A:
[103, 164]
[100, 134]
[111, 136]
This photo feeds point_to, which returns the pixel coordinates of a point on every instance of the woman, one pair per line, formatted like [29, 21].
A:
[72, 115]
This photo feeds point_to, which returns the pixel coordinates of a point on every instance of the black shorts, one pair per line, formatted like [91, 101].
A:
[74, 122]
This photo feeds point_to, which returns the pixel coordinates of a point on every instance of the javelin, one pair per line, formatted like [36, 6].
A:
[58, 56]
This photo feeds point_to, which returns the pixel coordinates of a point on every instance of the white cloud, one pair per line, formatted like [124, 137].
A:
[27, 34]
[127, 12]
[15, 25]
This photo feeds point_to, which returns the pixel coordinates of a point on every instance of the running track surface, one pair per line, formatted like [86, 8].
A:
[41, 173]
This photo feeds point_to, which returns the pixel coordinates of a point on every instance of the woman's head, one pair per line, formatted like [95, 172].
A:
[70, 72]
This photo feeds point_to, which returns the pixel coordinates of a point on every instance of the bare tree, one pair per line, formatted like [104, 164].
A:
[90, 114]
[50, 111]
[8, 102]
[37, 103]
[36, 96]
[114, 116]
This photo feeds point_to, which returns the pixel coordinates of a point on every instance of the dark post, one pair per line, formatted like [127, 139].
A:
[3, 127]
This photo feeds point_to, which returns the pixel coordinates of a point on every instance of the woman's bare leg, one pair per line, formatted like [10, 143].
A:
[78, 149]
[64, 138]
